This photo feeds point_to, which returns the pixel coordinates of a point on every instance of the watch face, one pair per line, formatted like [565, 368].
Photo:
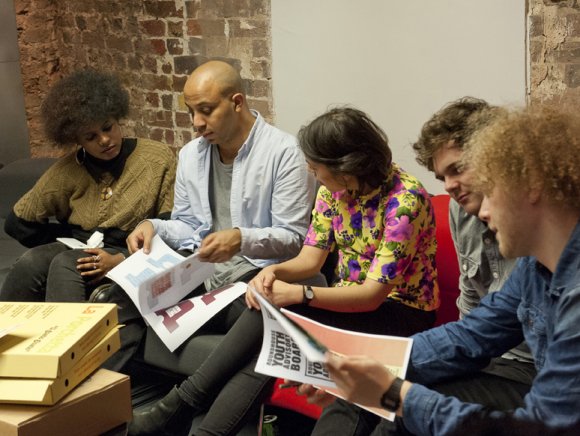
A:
[309, 293]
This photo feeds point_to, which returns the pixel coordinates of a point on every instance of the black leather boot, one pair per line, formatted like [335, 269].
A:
[169, 416]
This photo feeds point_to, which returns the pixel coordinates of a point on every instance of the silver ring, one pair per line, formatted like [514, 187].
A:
[94, 266]
[98, 258]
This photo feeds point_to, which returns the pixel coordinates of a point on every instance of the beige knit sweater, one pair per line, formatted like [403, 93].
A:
[67, 192]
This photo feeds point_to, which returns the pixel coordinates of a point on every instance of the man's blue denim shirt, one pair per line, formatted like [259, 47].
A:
[535, 305]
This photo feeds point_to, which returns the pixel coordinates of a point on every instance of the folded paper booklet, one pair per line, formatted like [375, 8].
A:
[45, 340]
[157, 283]
[49, 391]
[294, 348]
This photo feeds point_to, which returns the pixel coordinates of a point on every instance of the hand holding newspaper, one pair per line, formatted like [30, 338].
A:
[158, 281]
[294, 348]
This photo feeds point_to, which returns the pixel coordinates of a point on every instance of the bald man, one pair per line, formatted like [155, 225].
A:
[243, 194]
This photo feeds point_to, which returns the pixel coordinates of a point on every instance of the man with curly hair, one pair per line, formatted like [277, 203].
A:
[482, 267]
[531, 203]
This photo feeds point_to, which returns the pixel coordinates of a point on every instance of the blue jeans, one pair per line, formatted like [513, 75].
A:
[227, 387]
[47, 273]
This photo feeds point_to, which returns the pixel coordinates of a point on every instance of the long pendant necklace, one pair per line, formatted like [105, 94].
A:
[107, 191]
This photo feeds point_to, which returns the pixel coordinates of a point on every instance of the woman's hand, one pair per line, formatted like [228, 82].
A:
[361, 379]
[276, 291]
[315, 396]
[98, 264]
[262, 283]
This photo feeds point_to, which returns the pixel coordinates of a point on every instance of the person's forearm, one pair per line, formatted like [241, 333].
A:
[356, 298]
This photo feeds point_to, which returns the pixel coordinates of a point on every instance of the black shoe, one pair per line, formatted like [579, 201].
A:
[169, 416]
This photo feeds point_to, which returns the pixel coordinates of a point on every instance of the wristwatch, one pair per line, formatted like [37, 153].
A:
[307, 294]
[391, 399]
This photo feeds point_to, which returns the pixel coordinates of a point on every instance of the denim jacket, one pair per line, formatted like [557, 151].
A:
[535, 305]
[271, 196]
[482, 268]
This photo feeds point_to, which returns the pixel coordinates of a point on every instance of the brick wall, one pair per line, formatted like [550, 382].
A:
[554, 34]
[153, 45]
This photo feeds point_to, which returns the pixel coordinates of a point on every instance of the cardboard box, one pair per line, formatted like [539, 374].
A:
[45, 340]
[99, 404]
[49, 391]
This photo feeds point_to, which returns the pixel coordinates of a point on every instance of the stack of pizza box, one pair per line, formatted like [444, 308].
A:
[46, 349]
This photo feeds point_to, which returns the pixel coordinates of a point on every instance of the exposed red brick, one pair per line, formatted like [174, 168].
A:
[158, 46]
[175, 46]
[193, 28]
[175, 28]
[152, 98]
[153, 27]
[182, 119]
[169, 137]
[167, 102]
[167, 68]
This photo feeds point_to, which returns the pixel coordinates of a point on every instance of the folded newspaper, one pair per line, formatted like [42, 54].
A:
[158, 282]
[294, 348]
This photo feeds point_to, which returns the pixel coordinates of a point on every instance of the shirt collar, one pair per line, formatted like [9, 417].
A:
[567, 266]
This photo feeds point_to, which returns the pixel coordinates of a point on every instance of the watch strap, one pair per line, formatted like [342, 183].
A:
[307, 294]
[391, 399]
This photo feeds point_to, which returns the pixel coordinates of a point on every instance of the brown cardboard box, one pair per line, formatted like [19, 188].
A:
[99, 404]
[49, 391]
[45, 340]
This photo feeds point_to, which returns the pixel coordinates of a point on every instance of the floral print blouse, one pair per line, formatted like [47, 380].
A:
[387, 235]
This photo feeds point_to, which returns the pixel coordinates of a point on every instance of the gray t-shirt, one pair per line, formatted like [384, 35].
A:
[220, 183]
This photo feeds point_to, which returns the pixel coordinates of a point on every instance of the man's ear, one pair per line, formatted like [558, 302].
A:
[238, 100]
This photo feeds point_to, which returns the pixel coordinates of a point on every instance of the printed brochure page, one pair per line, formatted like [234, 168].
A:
[297, 353]
[175, 324]
[161, 278]
[157, 283]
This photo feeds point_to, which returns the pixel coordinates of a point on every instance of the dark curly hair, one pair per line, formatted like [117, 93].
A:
[83, 98]
[347, 141]
[451, 123]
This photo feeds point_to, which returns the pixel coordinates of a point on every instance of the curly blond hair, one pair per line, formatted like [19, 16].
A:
[535, 148]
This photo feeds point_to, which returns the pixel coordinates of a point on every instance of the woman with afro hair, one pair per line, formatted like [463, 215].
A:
[107, 183]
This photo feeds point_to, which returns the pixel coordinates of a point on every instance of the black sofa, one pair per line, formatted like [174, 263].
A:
[16, 178]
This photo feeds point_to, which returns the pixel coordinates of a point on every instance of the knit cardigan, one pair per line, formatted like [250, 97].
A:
[68, 193]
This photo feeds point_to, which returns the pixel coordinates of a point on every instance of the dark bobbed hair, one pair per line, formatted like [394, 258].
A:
[83, 98]
[348, 142]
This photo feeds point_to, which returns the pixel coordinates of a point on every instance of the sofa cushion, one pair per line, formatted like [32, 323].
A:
[16, 178]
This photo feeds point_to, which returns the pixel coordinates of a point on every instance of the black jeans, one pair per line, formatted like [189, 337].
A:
[227, 387]
[48, 273]
[493, 391]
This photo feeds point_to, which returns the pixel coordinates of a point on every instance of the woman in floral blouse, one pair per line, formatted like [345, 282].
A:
[380, 220]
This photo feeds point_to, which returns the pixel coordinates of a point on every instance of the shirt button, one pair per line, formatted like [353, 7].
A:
[495, 275]
[487, 241]
[464, 267]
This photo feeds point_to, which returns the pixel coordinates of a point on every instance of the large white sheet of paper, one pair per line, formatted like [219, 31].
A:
[161, 278]
[285, 351]
[175, 324]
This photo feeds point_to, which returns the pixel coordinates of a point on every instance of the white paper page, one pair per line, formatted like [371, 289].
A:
[312, 349]
[161, 278]
[175, 324]
[73, 243]
[281, 357]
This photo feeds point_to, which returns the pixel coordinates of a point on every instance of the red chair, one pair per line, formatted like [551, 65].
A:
[446, 261]
[448, 279]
